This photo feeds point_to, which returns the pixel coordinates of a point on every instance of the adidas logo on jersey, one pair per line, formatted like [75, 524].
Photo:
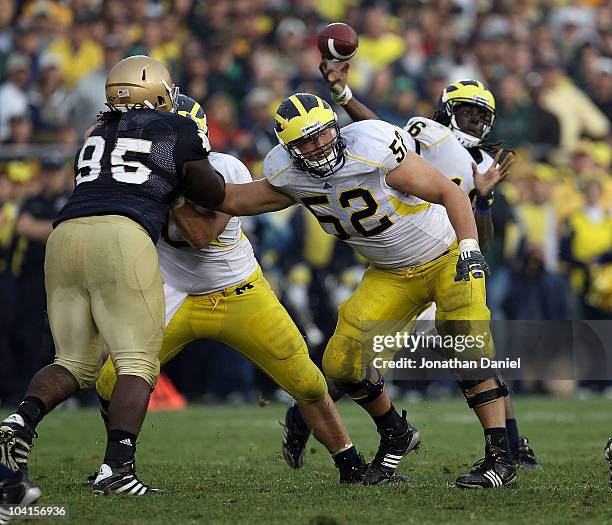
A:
[326, 186]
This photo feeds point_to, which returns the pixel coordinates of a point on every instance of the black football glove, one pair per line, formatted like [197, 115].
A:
[471, 262]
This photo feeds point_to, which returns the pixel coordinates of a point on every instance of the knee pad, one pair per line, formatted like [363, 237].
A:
[487, 396]
[309, 386]
[342, 360]
[367, 389]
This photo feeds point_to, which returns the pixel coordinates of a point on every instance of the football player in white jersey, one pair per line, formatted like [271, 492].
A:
[214, 289]
[453, 141]
[367, 186]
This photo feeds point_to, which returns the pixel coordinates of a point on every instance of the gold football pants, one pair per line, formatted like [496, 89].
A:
[103, 283]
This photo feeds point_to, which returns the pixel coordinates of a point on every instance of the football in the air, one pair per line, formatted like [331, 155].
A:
[338, 42]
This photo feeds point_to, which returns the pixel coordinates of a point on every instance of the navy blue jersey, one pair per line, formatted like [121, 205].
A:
[132, 165]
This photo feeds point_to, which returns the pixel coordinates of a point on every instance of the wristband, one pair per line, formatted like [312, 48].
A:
[343, 97]
[468, 245]
[484, 204]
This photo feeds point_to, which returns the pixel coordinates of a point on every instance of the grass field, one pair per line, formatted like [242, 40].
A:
[223, 465]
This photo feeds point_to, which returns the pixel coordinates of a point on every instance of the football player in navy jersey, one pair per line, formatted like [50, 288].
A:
[102, 275]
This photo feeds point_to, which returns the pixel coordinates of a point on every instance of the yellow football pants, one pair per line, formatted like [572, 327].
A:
[385, 299]
[248, 317]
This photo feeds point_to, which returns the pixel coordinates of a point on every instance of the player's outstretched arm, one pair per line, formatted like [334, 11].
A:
[337, 82]
[253, 198]
[203, 184]
[199, 227]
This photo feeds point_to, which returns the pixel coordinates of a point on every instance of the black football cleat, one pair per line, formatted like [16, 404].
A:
[493, 471]
[608, 456]
[90, 480]
[525, 456]
[355, 473]
[121, 480]
[392, 449]
[20, 491]
[15, 443]
[294, 437]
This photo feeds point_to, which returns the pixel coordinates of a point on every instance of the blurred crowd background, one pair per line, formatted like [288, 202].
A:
[548, 63]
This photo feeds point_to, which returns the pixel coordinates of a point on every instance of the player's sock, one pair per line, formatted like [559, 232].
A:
[120, 448]
[347, 458]
[513, 435]
[390, 420]
[496, 438]
[32, 409]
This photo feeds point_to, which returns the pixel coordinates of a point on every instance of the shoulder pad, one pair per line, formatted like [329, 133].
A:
[428, 132]
[278, 167]
[373, 141]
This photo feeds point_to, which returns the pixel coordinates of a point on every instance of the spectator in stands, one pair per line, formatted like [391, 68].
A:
[513, 113]
[600, 85]
[17, 144]
[31, 337]
[378, 46]
[7, 31]
[260, 107]
[225, 134]
[18, 183]
[587, 249]
[402, 105]
[577, 114]
[536, 289]
[50, 100]
[88, 97]
[79, 53]
[13, 96]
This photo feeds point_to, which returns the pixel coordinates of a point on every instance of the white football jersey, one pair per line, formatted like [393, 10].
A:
[388, 228]
[439, 146]
[226, 261]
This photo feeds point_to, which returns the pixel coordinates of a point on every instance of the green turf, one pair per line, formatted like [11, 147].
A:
[223, 465]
